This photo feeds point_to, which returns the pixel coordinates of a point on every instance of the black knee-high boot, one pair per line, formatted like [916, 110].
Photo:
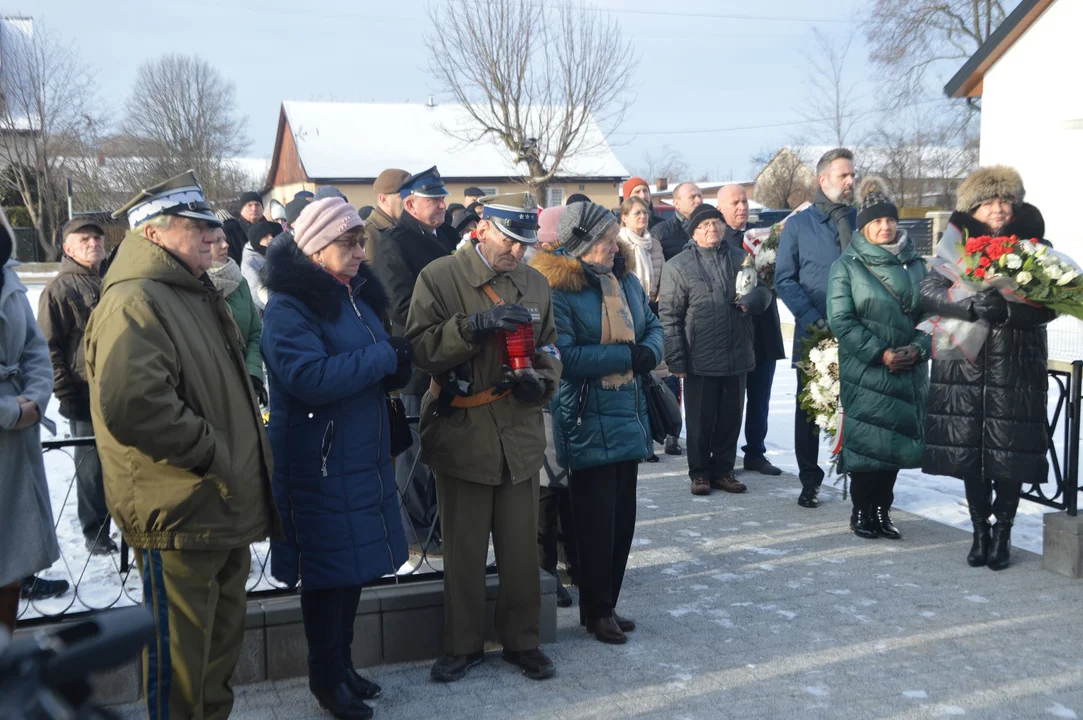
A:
[1004, 508]
[978, 501]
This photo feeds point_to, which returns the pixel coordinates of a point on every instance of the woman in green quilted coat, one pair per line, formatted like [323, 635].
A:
[873, 306]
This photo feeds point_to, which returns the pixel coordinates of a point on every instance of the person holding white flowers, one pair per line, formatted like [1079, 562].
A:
[873, 306]
[987, 414]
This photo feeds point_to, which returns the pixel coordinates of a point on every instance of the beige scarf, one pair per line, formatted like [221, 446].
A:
[618, 327]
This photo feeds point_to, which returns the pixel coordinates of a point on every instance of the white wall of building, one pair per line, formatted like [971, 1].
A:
[1032, 119]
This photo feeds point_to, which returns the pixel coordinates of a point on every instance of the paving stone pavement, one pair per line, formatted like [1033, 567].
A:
[750, 606]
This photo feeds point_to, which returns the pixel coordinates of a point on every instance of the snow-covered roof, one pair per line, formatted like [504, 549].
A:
[359, 140]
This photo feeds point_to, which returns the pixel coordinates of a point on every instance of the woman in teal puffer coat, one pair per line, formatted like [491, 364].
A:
[608, 339]
[873, 307]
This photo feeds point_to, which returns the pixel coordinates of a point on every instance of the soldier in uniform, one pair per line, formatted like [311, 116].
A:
[186, 461]
[482, 431]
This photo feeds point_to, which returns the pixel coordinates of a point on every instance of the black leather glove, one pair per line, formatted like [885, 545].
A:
[404, 352]
[820, 324]
[530, 387]
[643, 360]
[992, 307]
[502, 317]
[905, 358]
[261, 391]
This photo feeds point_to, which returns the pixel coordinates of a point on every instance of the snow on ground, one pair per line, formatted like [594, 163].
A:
[99, 579]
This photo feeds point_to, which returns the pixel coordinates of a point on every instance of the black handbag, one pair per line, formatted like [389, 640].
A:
[401, 437]
[663, 410]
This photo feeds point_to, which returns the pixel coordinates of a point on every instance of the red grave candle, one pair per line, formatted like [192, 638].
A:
[521, 347]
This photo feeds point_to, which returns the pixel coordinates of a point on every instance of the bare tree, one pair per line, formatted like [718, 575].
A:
[924, 156]
[831, 104]
[48, 117]
[531, 76]
[909, 37]
[665, 163]
[181, 114]
[784, 180]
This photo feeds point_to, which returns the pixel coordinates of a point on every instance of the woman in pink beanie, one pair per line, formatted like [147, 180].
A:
[330, 364]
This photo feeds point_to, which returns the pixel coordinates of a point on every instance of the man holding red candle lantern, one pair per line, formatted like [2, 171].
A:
[481, 324]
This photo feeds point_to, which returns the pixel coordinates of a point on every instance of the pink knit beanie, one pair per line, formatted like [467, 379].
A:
[323, 222]
[547, 224]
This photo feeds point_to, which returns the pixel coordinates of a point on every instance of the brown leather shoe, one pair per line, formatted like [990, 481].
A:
[607, 631]
[727, 482]
[626, 625]
[700, 486]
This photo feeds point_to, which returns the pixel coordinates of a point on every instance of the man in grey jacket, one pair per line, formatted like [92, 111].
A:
[709, 343]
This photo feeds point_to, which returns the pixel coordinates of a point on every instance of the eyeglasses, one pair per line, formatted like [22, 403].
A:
[349, 243]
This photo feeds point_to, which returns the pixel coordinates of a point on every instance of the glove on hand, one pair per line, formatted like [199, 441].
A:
[992, 307]
[261, 391]
[530, 388]
[404, 352]
[820, 324]
[904, 358]
[643, 360]
[507, 318]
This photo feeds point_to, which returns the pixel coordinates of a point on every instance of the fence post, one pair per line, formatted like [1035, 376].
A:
[1071, 477]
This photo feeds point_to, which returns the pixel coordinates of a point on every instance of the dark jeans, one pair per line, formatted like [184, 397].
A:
[604, 510]
[980, 502]
[713, 413]
[806, 444]
[93, 514]
[329, 617]
[674, 384]
[417, 488]
[757, 408]
[555, 524]
[868, 489]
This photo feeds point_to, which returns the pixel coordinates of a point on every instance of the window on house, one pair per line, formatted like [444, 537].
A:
[554, 196]
[488, 189]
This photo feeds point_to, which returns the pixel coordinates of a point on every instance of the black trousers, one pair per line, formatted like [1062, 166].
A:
[604, 510]
[868, 489]
[555, 524]
[806, 444]
[757, 408]
[979, 498]
[713, 410]
[329, 617]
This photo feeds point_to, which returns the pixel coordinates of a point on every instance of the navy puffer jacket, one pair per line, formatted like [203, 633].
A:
[328, 368]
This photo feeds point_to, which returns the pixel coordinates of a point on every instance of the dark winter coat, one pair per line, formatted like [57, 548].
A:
[874, 304]
[671, 235]
[406, 248]
[987, 419]
[63, 312]
[328, 361]
[806, 250]
[237, 236]
[767, 328]
[706, 333]
[593, 425]
[377, 223]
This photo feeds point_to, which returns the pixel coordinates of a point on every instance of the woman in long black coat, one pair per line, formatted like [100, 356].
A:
[987, 418]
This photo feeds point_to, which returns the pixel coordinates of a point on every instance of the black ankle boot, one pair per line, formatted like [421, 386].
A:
[1001, 543]
[861, 523]
[881, 519]
[341, 702]
[979, 551]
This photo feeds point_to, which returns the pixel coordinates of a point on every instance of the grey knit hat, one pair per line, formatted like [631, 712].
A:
[581, 225]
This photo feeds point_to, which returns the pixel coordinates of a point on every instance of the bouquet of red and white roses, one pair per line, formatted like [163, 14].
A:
[1023, 270]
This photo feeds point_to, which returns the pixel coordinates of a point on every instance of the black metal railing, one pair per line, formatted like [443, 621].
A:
[104, 582]
[1063, 460]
